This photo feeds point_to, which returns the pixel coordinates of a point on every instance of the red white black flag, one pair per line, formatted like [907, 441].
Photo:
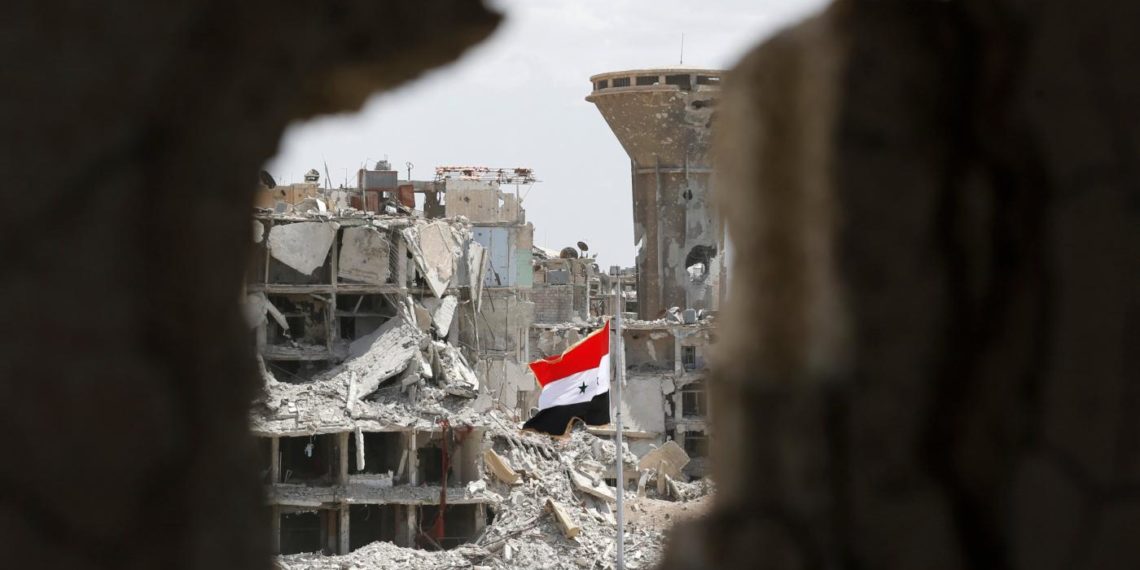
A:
[575, 384]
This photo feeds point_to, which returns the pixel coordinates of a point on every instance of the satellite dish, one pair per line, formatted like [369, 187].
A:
[582, 246]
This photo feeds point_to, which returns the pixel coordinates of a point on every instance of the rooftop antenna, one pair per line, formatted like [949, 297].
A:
[682, 49]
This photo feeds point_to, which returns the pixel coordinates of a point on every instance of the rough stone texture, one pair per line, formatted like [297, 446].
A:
[137, 129]
[930, 357]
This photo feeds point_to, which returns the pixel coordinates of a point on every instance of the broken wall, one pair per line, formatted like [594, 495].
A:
[559, 303]
[509, 253]
[481, 202]
[509, 384]
[499, 326]
[649, 349]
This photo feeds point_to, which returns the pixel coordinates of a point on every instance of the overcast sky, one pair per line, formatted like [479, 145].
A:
[519, 100]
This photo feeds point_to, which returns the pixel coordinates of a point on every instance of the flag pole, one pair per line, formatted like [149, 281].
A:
[619, 378]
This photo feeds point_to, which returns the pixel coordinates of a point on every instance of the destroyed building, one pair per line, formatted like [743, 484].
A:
[394, 341]
[663, 120]
[351, 311]
[497, 324]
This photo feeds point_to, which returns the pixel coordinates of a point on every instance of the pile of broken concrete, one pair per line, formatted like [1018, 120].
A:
[552, 510]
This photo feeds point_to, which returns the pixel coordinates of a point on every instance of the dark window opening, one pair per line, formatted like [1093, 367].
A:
[694, 400]
[308, 460]
[460, 524]
[683, 81]
[370, 523]
[296, 371]
[430, 464]
[696, 445]
[689, 357]
[621, 82]
[352, 328]
[699, 261]
[602, 84]
[301, 532]
[383, 452]
[465, 452]
[360, 315]
[648, 80]
[707, 80]
[305, 317]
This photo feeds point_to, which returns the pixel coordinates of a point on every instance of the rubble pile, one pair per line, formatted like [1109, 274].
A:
[526, 532]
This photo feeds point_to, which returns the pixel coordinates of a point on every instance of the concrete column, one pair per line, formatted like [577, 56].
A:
[406, 526]
[342, 452]
[343, 530]
[678, 361]
[402, 262]
[480, 518]
[413, 459]
[274, 460]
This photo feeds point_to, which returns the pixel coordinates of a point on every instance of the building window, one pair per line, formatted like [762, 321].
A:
[648, 80]
[707, 80]
[602, 84]
[696, 444]
[694, 400]
[621, 82]
[682, 81]
[689, 357]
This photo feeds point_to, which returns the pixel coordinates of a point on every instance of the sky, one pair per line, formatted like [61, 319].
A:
[518, 99]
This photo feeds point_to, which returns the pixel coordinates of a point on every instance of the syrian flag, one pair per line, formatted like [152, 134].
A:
[575, 384]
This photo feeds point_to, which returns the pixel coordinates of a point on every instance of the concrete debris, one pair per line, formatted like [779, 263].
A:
[500, 468]
[423, 318]
[443, 314]
[540, 522]
[669, 459]
[454, 368]
[380, 356]
[435, 250]
[303, 246]
[364, 256]
[594, 487]
[570, 529]
[476, 270]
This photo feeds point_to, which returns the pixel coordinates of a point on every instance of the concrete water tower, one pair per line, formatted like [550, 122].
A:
[662, 117]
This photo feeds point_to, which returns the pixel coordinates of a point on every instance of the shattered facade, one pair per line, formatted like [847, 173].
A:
[394, 344]
[352, 314]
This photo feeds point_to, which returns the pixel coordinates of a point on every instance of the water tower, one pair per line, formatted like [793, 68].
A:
[662, 117]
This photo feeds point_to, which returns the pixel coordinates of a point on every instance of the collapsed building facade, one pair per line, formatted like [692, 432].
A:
[394, 322]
